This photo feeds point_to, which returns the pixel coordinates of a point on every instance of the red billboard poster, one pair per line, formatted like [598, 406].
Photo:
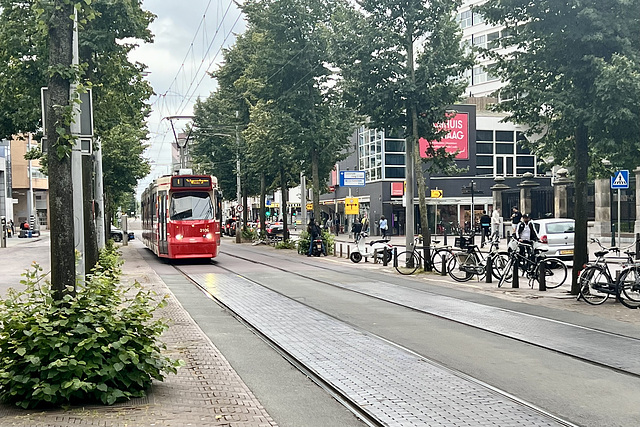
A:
[456, 140]
[397, 189]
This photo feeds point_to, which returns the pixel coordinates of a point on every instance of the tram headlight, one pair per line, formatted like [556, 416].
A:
[209, 236]
[179, 237]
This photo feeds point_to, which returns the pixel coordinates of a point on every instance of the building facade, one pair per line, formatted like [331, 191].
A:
[30, 187]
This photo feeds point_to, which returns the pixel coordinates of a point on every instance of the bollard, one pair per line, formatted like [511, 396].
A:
[515, 280]
[4, 233]
[375, 256]
[348, 251]
[542, 276]
[395, 257]
[445, 236]
[637, 245]
[385, 255]
[340, 250]
[613, 234]
[444, 265]
[334, 249]
[489, 268]
[426, 266]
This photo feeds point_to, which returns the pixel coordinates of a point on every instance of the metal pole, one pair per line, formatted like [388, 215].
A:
[238, 188]
[76, 167]
[619, 241]
[409, 214]
[99, 190]
[303, 200]
[30, 192]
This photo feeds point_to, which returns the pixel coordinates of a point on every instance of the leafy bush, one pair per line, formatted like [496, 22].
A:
[304, 240]
[286, 244]
[249, 234]
[97, 345]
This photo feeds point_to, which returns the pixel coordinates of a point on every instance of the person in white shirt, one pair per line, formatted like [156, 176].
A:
[526, 233]
[495, 222]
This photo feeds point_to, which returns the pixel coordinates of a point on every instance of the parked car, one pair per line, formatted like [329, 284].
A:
[557, 234]
[274, 229]
[117, 234]
[229, 227]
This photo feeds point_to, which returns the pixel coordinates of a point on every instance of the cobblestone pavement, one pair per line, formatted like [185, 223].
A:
[397, 387]
[205, 392]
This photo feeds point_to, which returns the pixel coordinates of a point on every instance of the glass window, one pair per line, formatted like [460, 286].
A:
[484, 147]
[394, 146]
[522, 150]
[484, 160]
[484, 135]
[480, 41]
[504, 135]
[492, 40]
[394, 172]
[522, 171]
[478, 18]
[190, 205]
[504, 148]
[464, 18]
[394, 159]
[524, 161]
[479, 75]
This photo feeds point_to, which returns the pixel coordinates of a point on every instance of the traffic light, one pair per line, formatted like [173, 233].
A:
[268, 213]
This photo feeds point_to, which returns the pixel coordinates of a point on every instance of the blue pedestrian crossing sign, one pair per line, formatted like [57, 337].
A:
[620, 180]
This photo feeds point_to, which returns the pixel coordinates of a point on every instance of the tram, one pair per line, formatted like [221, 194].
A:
[181, 216]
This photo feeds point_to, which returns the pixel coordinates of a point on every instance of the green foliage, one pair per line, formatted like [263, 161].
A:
[286, 244]
[304, 240]
[249, 233]
[97, 345]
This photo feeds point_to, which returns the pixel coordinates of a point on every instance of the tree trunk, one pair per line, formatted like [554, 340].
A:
[580, 255]
[63, 261]
[316, 184]
[284, 188]
[411, 141]
[245, 207]
[263, 213]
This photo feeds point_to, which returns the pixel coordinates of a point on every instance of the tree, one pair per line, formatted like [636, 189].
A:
[570, 66]
[402, 64]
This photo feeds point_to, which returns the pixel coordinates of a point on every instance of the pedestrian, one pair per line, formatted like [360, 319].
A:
[495, 223]
[365, 223]
[516, 216]
[485, 224]
[526, 233]
[336, 221]
[383, 226]
[356, 229]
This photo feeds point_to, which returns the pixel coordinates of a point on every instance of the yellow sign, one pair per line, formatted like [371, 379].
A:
[436, 194]
[309, 206]
[351, 206]
[273, 205]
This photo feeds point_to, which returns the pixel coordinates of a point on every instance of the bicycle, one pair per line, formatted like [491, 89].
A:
[409, 261]
[555, 270]
[597, 284]
[470, 261]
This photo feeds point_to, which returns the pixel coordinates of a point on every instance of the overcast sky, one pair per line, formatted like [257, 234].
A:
[189, 35]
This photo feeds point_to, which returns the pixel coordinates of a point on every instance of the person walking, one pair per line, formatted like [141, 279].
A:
[495, 223]
[383, 226]
[485, 224]
[516, 216]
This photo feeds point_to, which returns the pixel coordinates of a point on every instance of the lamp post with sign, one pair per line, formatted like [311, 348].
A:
[352, 179]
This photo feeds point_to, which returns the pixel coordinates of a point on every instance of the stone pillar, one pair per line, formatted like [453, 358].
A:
[636, 226]
[525, 192]
[560, 197]
[496, 191]
[602, 224]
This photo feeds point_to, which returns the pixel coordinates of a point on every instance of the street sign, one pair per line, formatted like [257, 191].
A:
[239, 208]
[309, 206]
[352, 178]
[436, 194]
[620, 180]
[351, 206]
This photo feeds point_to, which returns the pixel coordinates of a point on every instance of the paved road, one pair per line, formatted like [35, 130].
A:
[543, 377]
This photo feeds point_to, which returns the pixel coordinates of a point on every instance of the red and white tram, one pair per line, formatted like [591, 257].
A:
[181, 216]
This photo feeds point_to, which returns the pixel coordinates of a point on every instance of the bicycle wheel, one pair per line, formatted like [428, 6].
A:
[499, 266]
[555, 272]
[461, 266]
[437, 258]
[595, 285]
[408, 262]
[629, 287]
[507, 272]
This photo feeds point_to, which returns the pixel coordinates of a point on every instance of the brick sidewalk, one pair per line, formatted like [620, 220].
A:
[205, 392]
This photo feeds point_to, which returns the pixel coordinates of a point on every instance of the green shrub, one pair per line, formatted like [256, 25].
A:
[100, 344]
[249, 234]
[304, 240]
[286, 244]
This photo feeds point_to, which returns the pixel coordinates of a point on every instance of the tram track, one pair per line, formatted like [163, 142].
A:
[627, 367]
[335, 392]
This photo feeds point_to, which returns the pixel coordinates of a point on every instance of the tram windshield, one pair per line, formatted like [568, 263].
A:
[190, 205]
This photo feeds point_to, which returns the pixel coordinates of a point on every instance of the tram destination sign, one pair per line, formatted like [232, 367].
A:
[352, 178]
[191, 182]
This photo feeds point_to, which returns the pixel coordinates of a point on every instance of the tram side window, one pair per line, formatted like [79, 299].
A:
[190, 205]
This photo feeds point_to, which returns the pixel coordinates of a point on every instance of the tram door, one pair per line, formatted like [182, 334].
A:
[163, 247]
